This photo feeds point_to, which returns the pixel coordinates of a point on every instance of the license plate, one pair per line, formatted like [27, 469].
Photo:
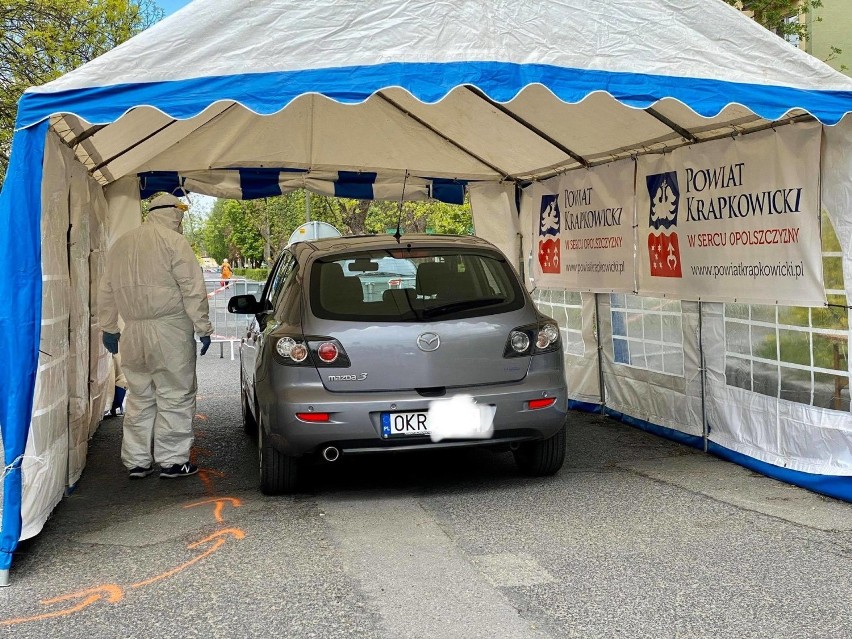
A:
[402, 424]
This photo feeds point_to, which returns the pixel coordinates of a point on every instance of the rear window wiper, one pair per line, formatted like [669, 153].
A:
[462, 305]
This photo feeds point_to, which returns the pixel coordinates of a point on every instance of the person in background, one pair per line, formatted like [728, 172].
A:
[227, 273]
[153, 284]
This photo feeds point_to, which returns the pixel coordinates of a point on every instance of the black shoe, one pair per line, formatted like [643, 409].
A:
[178, 470]
[139, 472]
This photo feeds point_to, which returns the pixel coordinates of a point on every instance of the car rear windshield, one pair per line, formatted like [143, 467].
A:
[413, 285]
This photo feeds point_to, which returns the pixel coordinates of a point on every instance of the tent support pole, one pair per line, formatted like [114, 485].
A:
[102, 164]
[674, 126]
[600, 354]
[530, 127]
[504, 174]
[702, 371]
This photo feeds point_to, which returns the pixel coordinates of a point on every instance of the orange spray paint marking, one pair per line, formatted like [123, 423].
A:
[199, 450]
[110, 593]
[204, 474]
[220, 504]
[201, 417]
[218, 540]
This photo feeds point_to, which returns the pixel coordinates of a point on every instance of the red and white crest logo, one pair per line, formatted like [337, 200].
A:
[664, 253]
[549, 223]
[548, 255]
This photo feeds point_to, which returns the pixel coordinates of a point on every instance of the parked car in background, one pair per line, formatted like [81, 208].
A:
[354, 338]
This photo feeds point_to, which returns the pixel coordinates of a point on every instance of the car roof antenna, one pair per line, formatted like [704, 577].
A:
[398, 234]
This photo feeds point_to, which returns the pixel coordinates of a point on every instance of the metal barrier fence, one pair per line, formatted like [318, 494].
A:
[229, 328]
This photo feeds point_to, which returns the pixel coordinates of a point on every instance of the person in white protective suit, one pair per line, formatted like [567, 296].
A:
[154, 283]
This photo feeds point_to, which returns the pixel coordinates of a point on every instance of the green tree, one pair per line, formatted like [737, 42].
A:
[782, 17]
[775, 14]
[213, 232]
[255, 231]
[245, 243]
[42, 39]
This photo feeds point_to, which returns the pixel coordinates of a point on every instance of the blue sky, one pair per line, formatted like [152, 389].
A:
[170, 6]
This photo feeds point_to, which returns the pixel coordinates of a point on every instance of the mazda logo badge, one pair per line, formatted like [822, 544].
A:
[428, 342]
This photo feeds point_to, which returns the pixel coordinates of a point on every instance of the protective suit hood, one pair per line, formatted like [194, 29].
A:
[166, 210]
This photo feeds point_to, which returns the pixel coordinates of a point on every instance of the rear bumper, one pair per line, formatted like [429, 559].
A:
[355, 418]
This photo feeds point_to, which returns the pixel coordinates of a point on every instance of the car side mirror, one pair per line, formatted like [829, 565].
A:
[244, 305]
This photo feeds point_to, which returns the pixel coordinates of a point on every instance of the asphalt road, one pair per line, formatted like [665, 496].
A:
[636, 537]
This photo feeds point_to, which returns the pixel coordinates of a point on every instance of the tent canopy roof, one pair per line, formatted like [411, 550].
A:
[471, 90]
[700, 39]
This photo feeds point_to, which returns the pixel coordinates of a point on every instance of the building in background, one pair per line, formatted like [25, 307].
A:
[833, 30]
[829, 29]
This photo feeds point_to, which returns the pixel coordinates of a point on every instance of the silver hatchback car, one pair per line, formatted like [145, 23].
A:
[354, 339]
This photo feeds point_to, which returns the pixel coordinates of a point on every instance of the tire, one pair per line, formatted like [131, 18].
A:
[279, 473]
[542, 458]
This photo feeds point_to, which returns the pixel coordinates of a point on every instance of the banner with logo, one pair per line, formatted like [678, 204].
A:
[584, 229]
[733, 220]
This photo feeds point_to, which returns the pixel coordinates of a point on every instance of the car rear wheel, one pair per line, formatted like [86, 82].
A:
[542, 458]
[279, 473]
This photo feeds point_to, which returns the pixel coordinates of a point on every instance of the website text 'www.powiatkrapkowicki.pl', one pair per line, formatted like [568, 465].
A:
[596, 267]
[759, 270]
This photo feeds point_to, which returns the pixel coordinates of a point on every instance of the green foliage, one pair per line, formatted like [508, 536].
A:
[212, 234]
[254, 232]
[775, 15]
[42, 39]
[245, 242]
[252, 274]
[419, 217]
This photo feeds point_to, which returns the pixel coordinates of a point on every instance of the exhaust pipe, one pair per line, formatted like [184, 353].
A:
[330, 454]
[514, 446]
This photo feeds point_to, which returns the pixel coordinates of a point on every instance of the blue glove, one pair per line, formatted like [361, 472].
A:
[205, 344]
[111, 342]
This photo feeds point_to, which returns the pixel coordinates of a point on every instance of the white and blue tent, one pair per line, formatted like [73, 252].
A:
[242, 98]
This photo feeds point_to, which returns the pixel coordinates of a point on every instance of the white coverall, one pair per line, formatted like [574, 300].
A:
[154, 282]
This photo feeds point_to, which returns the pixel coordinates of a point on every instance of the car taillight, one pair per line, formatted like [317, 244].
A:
[519, 341]
[548, 335]
[310, 350]
[284, 345]
[532, 340]
[327, 352]
[299, 352]
[291, 350]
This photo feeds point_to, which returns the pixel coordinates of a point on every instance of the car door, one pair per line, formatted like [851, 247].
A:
[274, 299]
[253, 342]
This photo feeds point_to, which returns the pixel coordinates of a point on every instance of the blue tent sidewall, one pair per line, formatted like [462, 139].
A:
[836, 486]
[20, 317]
